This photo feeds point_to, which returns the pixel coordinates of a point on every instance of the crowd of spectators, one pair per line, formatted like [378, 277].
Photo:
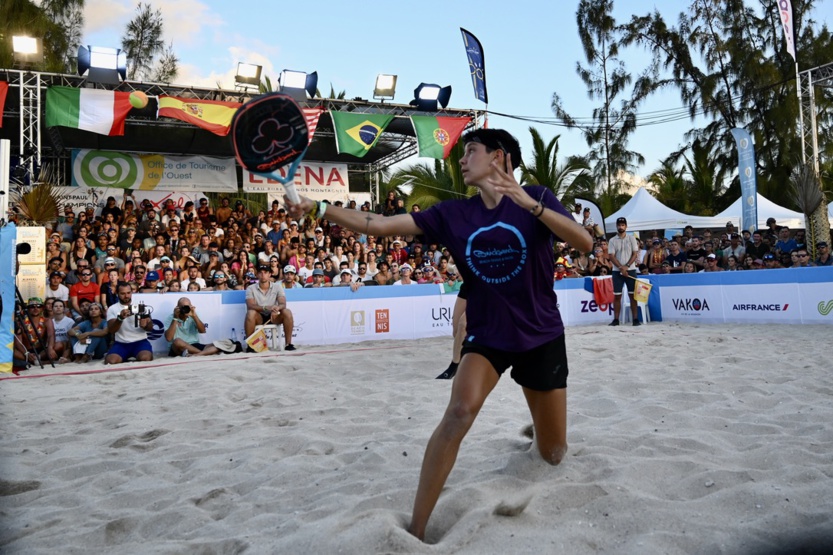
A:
[195, 247]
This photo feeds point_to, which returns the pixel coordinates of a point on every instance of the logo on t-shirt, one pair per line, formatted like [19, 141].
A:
[497, 253]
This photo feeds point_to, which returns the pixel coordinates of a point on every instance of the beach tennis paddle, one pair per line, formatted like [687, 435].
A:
[268, 133]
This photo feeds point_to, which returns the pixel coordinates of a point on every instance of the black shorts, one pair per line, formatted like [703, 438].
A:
[619, 282]
[542, 369]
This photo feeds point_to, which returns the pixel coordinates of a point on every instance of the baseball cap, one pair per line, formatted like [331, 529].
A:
[319, 229]
[152, 276]
[109, 260]
[621, 221]
[34, 300]
[712, 256]
[293, 223]
[769, 256]
[318, 272]
[263, 267]
[53, 274]
[289, 269]
[405, 267]
[213, 253]
[164, 259]
[346, 271]
[821, 244]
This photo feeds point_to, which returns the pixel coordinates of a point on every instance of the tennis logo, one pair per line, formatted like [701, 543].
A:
[382, 320]
[357, 320]
[98, 168]
[825, 309]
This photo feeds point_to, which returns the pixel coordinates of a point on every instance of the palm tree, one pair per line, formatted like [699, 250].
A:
[670, 186]
[705, 181]
[142, 41]
[810, 197]
[431, 185]
[571, 179]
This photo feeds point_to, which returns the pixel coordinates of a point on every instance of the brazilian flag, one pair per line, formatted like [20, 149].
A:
[357, 133]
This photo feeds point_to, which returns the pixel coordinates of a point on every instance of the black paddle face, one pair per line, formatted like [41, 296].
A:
[269, 132]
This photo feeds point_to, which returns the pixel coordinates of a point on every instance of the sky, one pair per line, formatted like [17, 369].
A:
[531, 49]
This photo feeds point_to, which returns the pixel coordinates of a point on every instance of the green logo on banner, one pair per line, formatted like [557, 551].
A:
[98, 168]
[825, 309]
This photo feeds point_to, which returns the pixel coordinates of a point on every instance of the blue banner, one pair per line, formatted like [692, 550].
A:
[8, 234]
[477, 65]
[748, 181]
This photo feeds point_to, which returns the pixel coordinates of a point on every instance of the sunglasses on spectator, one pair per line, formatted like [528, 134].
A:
[35, 306]
[86, 274]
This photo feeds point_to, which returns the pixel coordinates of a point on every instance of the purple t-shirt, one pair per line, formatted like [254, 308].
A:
[505, 256]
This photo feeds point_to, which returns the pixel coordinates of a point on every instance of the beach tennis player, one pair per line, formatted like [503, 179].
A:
[503, 242]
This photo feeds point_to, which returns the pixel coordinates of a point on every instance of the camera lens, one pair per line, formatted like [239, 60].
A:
[184, 309]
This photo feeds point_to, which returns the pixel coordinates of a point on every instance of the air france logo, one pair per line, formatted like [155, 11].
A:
[497, 253]
[760, 307]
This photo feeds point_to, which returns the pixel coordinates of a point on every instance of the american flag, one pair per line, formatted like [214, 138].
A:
[312, 115]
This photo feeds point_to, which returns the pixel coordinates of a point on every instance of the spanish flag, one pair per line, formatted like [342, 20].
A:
[211, 115]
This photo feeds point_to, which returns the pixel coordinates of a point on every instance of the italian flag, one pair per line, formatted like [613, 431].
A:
[436, 136]
[92, 110]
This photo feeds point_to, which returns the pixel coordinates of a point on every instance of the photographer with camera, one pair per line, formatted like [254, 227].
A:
[130, 325]
[182, 329]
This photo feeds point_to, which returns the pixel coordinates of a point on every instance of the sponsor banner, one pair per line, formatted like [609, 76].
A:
[36, 237]
[31, 280]
[763, 304]
[703, 303]
[152, 172]
[317, 181]
[81, 198]
[579, 308]
[816, 303]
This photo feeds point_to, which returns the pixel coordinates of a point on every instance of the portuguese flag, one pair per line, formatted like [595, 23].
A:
[436, 136]
[94, 110]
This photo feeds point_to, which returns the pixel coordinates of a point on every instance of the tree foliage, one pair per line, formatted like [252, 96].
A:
[608, 82]
[728, 61]
[57, 23]
[571, 179]
[142, 43]
[432, 184]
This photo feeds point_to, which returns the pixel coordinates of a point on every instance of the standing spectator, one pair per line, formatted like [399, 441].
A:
[735, 249]
[623, 250]
[756, 248]
[223, 213]
[129, 330]
[110, 208]
[266, 303]
[785, 243]
[676, 258]
[824, 258]
[204, 211]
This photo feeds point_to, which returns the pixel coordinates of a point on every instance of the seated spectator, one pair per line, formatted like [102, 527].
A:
[153, 284]
[756, 264]
[824, 258]
[429, 275]
[732, 264]
[85, 289]
[193, 276]
[317, 279]
[36, 339]
[61, 324]
[735, 249]
[56, 289]
[266, 303]
[346, 280]
[689, 267]
[770, 262]
[182, 330]
[655, 256]
[109, 294]
[89, 337]
[802, 259]
[405, 276]
[129, 330]
[711, 264]
[756, 248]
[290, 278]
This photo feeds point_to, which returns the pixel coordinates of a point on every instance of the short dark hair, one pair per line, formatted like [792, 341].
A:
[496, 139]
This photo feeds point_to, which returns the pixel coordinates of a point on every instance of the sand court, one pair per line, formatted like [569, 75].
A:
[683, 439]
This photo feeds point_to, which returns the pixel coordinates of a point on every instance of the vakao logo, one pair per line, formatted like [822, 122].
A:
[825, 309]
[499, 258]
[691, 307]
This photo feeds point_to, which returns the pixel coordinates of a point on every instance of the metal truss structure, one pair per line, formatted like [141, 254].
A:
[32, 86]
[808, 80]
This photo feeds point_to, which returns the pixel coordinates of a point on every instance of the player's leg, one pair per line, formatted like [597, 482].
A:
[549, 419]
[475, 380]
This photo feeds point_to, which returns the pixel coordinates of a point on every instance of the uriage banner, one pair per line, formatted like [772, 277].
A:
[312, 180]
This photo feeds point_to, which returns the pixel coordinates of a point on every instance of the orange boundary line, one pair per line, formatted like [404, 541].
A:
[130, 368]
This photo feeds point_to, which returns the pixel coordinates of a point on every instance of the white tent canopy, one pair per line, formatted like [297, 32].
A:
[767, 209]
[645, 213]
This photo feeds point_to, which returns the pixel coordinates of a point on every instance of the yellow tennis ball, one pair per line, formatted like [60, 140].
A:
[138, 99]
